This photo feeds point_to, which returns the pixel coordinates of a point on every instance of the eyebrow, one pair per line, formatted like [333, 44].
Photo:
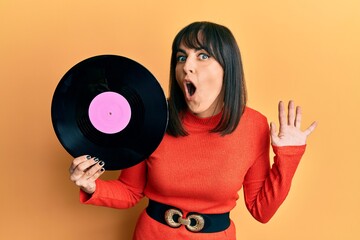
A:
[181, 50]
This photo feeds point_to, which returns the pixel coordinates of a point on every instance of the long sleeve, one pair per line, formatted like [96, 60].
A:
[203, 172]
[124, 192]
[265, 189]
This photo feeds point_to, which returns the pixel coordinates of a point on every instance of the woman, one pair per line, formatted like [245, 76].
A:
[214, 146]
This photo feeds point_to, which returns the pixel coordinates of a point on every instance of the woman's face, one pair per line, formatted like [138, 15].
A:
[200, 77]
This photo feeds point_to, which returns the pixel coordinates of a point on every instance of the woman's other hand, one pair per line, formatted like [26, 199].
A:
[84, 171]
[290, 133]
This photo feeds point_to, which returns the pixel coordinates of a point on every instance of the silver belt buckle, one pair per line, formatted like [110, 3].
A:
[199, 220]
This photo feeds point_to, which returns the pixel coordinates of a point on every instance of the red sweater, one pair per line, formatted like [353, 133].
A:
[203, 172]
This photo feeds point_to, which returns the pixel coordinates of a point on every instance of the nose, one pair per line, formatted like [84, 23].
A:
[189, 66]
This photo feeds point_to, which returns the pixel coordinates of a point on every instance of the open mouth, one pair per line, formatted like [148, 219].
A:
[190, 88]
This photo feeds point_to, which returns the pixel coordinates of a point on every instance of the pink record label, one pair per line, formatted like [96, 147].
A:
[109, 112]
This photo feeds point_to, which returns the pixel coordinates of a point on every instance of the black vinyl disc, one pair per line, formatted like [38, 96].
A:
[109, 107]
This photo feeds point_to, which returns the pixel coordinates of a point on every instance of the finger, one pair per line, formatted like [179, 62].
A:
[274, 134]
[89, 185]
[291, 113]
[82, 168]
[298, 117]
[273, 131]
[93, 169]
[310, 129]
[282, 115]
[87, 181]
[78, 161]
[97, 174]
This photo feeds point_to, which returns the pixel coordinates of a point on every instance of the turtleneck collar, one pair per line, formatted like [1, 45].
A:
[194, 123]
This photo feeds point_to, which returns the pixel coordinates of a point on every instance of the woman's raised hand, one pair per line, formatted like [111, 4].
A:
[289, 133]
[84, 171]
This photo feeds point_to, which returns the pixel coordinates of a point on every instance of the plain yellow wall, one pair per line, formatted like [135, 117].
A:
[306, 50]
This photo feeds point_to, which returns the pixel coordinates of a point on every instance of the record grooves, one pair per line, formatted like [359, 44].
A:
[110, 107]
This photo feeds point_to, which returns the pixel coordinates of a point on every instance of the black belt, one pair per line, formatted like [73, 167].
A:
[194, 222]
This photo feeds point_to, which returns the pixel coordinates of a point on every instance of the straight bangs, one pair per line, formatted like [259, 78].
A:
[201, 36]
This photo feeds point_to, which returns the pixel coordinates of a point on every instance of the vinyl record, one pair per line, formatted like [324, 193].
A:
[109, 107]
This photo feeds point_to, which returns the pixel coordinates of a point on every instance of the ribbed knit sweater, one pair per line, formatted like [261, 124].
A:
[203, 172]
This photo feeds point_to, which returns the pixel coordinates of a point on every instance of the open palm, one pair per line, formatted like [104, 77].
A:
[289, 133]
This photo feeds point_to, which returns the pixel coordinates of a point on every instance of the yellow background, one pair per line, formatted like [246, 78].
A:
[306, 50]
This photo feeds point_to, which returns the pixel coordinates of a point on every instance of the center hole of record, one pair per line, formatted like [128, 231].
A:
[109, 112]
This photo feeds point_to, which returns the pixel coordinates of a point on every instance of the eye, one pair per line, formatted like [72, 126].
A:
[203, 56]
[181, 58]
